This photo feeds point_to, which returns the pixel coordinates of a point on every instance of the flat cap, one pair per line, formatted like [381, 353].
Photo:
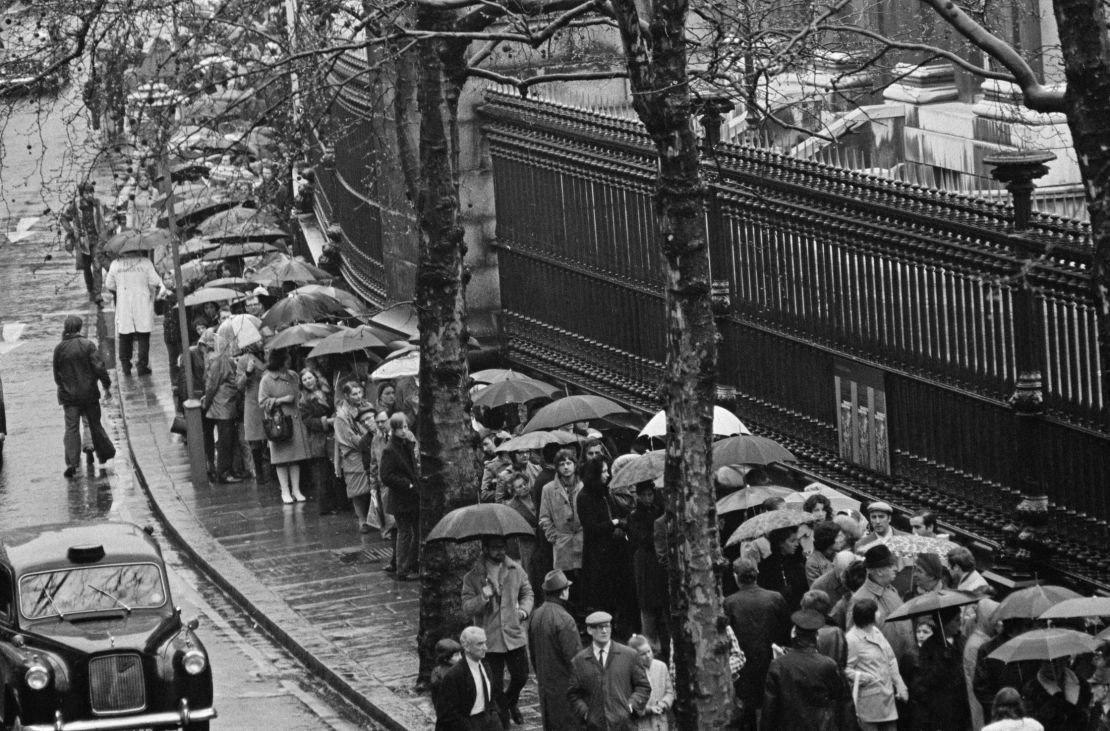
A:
[880, 507]
[598, 618]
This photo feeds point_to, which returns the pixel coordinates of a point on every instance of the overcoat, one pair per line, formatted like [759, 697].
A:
[456, 696]
[604, 699]
[553, 642]
[247, 383]
[559, 520]
[499, 615]
[758, 617]
[803, 692]
[398, 473]
[278, 384]
[134, 282]
[873, 672]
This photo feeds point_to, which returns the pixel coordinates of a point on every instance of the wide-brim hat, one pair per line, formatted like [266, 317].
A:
[878, 557]
[808, 619]
[555, 581]
[598, 618]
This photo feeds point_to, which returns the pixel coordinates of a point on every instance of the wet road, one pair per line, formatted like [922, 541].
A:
[258, 685]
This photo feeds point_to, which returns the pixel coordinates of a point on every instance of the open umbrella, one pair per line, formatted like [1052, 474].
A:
[349, 340]
[536, 440]
[131, 241]
[250, 231]
[931, 603]
[307, 334]
[211, 294]
[477, 521]
[196, 246]
[910, 546]
[224, 221]
[1045, 644]
[570, 409]
[725, 424]
[839, 500]
[400, 318]
[764, 523]
[291, 270]
[749, 449]
[515, 391]
[245, 329]
[750, 497]
[297, 308]
[196, 205]
[230, 251]
[407, 366]
[1032, 601]
[641, 468]
[1088, 606]
[493, 375]
[356, 306]
[239, 283]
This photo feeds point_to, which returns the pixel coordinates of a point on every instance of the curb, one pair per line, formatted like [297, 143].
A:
[261, 604]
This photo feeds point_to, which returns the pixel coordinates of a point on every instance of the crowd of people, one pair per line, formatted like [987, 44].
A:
[807, 607]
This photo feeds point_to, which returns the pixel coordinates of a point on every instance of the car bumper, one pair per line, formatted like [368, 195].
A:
[164, 719]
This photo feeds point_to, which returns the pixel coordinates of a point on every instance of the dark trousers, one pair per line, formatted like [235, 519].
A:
[127, 343]
[208, 426]
[405, 547]
[227, 433]
[328, 495]
[516, 661]
[488, 721]
[102, 444]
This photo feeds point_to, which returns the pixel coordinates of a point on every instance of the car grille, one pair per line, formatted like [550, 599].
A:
[116, 684]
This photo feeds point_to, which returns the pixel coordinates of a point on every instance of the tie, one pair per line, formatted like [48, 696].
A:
[485, 684]
[601, 658]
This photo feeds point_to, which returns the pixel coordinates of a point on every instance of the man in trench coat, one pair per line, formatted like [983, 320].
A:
[608, 685]
[553, 642]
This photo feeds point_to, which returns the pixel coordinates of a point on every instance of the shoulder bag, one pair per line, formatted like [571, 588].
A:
[277, 424]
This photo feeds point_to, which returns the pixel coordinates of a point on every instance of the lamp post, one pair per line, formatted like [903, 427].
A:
[194, 420]
[1028, 531]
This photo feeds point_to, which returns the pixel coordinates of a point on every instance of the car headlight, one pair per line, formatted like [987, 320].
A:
[194, 661]
[37, 676]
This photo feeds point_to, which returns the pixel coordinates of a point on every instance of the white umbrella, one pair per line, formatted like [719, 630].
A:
[407, 366]
[246, 329]
[725, 424]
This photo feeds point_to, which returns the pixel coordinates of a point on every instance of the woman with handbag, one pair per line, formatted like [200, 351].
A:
[288, 439]
[319, 419]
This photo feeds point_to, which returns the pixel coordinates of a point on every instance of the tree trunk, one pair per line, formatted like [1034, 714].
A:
[448, 467]
[1085, 43]
[661, 96]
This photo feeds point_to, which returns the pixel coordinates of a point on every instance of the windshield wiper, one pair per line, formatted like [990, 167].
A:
[110, 596]
[50, 598]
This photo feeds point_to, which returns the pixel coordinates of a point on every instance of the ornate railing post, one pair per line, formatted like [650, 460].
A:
[1028, 531]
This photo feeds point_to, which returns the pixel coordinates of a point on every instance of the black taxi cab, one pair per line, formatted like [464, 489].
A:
[89, 636]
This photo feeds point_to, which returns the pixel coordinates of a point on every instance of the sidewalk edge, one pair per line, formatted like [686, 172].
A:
[250, 605]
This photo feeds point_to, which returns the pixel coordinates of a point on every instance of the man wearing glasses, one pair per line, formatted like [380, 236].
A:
[608, 686]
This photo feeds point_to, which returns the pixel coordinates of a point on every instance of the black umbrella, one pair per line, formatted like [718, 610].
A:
[478, 521]
[298, 308]
[570, 409]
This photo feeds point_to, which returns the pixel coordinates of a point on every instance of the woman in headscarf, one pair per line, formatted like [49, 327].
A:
[221, 402]
[349, 431]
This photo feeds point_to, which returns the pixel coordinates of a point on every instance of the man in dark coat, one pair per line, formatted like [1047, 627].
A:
[398, 473]
[77, 368]
[552, 644]
[759, 618]
[804, 689]
[466, 700]
[608, 685]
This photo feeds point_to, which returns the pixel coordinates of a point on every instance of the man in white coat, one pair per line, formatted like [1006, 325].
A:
[134, 283]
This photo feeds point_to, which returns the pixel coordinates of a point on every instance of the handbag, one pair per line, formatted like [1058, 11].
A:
[277, 424]
[177, 426]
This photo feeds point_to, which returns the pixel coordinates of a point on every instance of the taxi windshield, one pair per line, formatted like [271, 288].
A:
[91, 589]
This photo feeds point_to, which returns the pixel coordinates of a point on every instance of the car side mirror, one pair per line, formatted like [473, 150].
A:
[148, 529]
[192, 624]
